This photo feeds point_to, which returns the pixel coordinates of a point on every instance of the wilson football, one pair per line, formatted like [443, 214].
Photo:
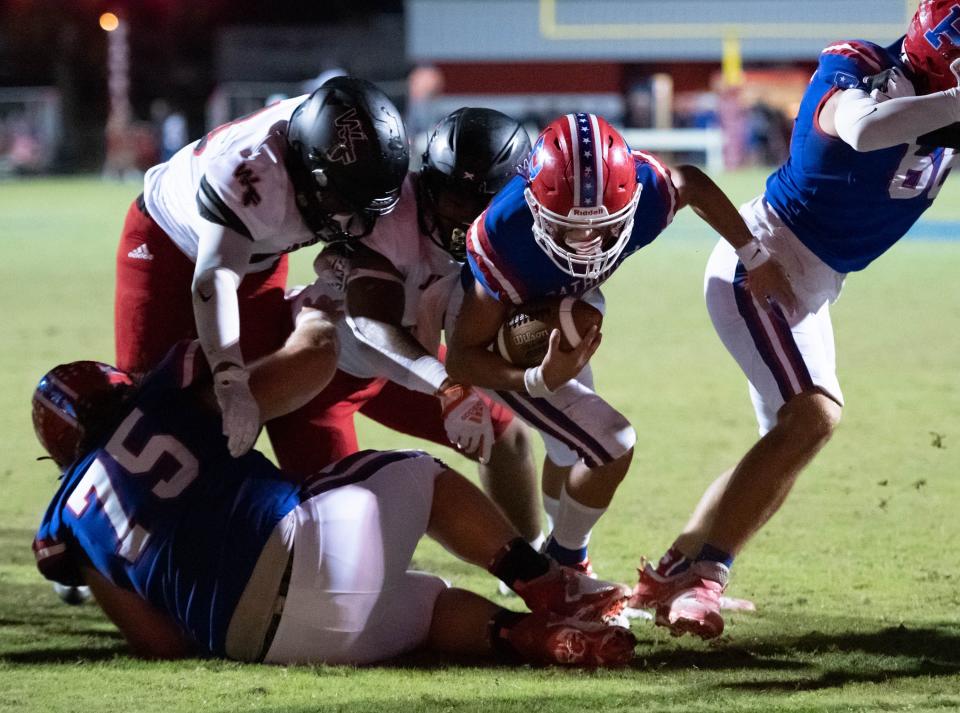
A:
[523, 338]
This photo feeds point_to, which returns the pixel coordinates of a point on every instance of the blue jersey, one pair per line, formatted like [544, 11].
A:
[849, 207]
[504, 257]
[159, 507]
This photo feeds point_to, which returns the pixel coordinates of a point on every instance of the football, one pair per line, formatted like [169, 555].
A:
[523, 338]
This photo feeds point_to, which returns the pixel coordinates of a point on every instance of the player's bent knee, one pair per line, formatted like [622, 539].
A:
[811, 415]
[514, 441]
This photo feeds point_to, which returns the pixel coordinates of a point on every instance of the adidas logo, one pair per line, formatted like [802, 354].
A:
[141, 253]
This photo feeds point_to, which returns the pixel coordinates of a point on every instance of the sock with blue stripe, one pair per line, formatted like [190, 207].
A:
[714, 554]
[564, 555]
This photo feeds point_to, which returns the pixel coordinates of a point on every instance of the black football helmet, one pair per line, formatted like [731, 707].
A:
[470, 155]
[347, 156]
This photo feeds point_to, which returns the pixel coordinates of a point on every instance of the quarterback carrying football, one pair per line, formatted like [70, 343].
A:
[584, 204]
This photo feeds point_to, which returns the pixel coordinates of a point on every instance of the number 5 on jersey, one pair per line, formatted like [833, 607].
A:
[97, 483]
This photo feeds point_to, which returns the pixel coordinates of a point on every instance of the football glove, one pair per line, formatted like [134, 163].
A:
[241, 414]
[467, 420]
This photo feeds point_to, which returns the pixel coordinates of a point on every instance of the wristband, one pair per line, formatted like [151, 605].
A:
[428, 369]
[753, 254]
[533, 381]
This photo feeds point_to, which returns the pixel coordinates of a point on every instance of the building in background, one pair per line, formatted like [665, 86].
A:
[706, 80]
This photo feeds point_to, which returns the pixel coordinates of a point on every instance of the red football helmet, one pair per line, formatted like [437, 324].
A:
[582, 189]
[933, 43]
[73, 403]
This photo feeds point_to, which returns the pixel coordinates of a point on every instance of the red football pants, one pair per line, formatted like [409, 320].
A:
[154, 303]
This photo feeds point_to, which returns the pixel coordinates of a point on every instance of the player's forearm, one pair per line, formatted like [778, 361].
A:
[712, 205]
[217, 314]
[868, 125]
[289, 378]
[398, 355]
[479, 366]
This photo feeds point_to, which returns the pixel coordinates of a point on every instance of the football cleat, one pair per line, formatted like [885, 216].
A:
[585, 567]
[695, 609]
[571, 593]
[654, 588]
[547, 638]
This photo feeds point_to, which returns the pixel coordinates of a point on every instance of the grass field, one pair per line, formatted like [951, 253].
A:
[857, 580]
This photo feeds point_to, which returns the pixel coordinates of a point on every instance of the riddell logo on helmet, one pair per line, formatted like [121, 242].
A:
[588, 212]
[349, 129]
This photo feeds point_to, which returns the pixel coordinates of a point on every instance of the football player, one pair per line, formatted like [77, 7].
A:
[857, 178]
[398, 281]
[203, 249]
[191, 551]
[585, 204]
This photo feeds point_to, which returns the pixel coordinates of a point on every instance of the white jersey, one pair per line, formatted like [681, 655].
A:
[429, 272]
[235, 174]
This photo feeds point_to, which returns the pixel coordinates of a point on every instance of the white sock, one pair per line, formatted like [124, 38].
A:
[551, 506]
[574, 522]
[537, 542]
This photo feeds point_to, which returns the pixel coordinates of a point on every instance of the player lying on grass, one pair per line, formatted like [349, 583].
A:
[190, 551]
[397, 284]
[857, 178]
[585, 204]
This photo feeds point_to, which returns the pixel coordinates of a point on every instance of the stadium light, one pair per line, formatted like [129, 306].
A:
[109, 22]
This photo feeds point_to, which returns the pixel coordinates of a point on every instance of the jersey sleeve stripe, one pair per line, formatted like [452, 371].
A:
[213, 208]
[861, 53]
[664, 184]
[480, 248]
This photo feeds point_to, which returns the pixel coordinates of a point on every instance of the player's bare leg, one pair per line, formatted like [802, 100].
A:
[467, 624]
[551, 484]
[688, 596]
[764, 477]
[695, 532]
[594, 487]
[584, 498]
[467, 524]
[510, 479]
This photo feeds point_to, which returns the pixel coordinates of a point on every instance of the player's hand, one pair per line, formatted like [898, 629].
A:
[955, 69]
[558, 366]
[890, 84]
[467, 420]
[768, 283]
[241, 414]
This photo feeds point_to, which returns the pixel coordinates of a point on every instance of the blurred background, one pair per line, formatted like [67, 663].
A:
[114, 86]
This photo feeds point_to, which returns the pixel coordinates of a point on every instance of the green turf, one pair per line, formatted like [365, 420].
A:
[856, 580]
